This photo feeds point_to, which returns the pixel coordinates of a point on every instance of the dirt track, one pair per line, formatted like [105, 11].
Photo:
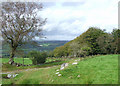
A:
[17, 71]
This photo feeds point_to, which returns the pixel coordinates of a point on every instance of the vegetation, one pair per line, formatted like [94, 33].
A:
[17, 60]
[92, 70]
[20, 24]
[92, 42]
[49, 62]
[32, 47]
[37, 57]
[90, 65]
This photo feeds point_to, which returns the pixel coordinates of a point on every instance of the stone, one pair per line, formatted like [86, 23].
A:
[57, 70]
[61, 68]
[9, 75]
[74, 63]
[64, 65]
[78, 76]
[57, 73]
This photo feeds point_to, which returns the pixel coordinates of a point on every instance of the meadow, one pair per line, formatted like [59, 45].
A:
[49, 62]
[101, 69]
[17, 60]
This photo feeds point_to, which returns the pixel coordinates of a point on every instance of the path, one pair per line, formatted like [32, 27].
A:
[30, 69]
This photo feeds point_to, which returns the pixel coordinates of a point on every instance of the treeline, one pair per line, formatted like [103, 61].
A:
[92, 42]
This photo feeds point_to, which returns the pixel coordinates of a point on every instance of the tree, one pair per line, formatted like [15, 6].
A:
[37, 57]
[106, 44]
[20, 23]
[59, 51]
[75, 47]
[91, 35]
[116, 35]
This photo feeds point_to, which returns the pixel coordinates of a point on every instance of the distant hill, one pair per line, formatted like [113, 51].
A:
[38, 45]
[93, 41]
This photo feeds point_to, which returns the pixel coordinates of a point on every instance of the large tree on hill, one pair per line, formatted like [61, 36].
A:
[106, 44]
[116, 36]
[91, 35]
[20, 23]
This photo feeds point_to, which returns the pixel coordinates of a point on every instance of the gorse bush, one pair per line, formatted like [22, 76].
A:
[37, 57]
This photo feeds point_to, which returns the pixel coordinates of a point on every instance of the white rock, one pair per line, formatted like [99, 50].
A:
[13, 75]
[78, 76]
[57, 73]
[57, 70]
[61, 68]
[9, 75]
[74, 63]
[64, 65]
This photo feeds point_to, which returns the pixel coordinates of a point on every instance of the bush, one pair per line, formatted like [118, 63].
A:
[37, 57]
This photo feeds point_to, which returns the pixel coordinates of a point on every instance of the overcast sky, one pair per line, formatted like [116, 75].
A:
[67, 20]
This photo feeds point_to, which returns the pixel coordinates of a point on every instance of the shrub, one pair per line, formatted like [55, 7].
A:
[37, 57]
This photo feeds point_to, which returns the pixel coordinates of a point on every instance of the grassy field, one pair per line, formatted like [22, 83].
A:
[28, 61]
[17, 60]
[94, 70]
[49, 62]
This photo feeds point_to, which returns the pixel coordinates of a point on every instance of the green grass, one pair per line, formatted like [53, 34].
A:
[28, 61]
[49, 62]
[97, 70]
[17, 60]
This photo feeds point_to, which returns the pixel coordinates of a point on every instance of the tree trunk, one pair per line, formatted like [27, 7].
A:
[11, 60]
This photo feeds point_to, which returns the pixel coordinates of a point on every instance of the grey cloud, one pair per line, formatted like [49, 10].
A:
[73, 3]
[48, 4]
[72, 19]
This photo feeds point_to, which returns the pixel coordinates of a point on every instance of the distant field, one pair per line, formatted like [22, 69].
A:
[96, 70]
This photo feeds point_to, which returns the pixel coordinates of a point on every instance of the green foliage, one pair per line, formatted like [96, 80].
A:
[86, 51]
[92, 42]
[37, 57]
[61, 51]
[51, 54]
[106, 44]
[116, 35]
[83, 45]
[91, 35]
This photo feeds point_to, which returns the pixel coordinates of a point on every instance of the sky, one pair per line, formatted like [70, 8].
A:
[68, 19]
